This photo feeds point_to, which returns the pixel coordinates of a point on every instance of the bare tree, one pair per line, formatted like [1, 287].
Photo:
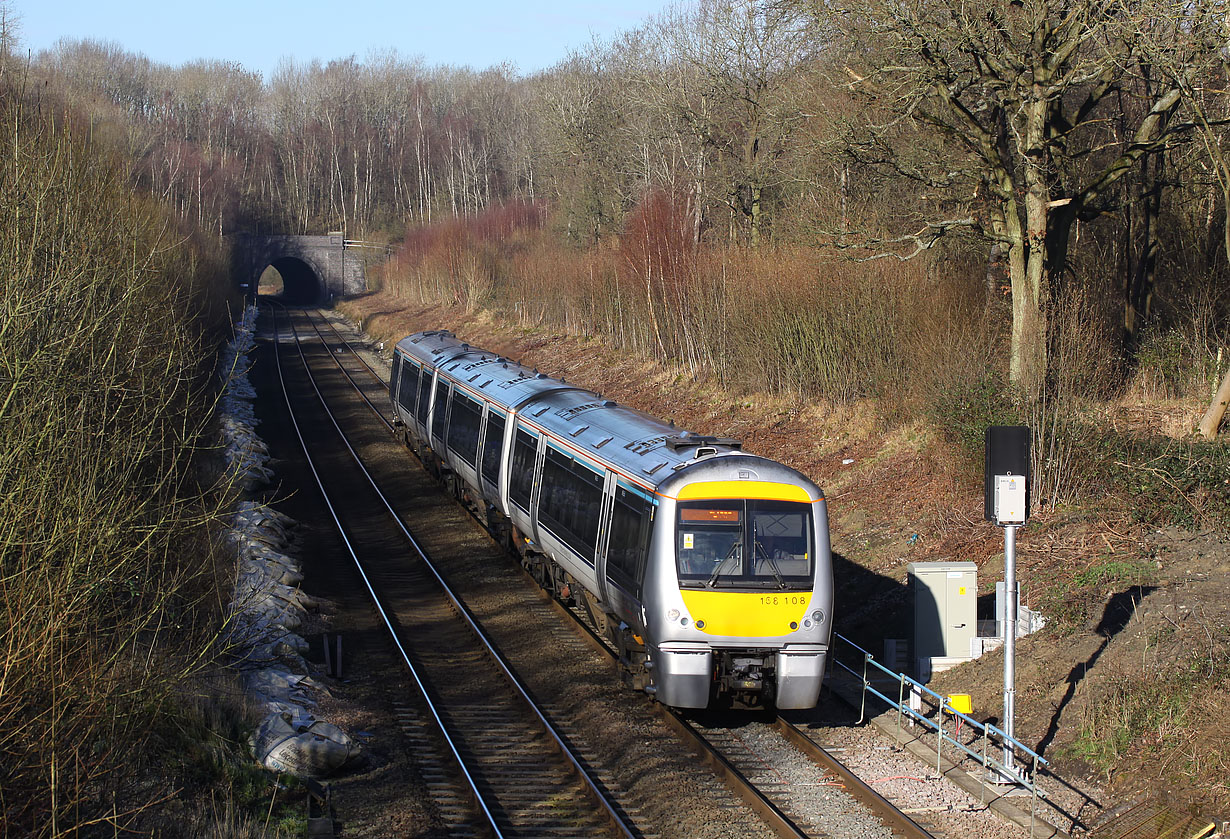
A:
[10, 30]
[1023, 89]
[582, 123]
[728, 80]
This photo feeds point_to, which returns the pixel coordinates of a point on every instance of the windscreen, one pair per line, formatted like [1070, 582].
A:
[745, 543]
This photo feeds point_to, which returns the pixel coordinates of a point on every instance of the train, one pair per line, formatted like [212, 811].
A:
[708, 568]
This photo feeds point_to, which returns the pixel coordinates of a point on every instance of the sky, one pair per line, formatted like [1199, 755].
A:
[530, 34]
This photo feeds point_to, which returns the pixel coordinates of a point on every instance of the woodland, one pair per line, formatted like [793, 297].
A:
[1067, 154]
[932, 213]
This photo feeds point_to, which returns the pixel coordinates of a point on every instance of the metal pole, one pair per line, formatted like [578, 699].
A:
[1009, 640]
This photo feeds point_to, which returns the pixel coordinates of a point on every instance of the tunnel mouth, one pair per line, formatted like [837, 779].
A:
[300, 284]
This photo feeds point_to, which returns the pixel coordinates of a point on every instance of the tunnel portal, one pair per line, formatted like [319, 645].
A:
[314, 269]
[299, 282]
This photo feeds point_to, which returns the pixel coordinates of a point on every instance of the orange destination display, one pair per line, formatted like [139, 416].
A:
[692, 514]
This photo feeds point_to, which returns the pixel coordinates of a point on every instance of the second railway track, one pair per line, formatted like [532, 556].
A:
[526, 782]
[537, 623]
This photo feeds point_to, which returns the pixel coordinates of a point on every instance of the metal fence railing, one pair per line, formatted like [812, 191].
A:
[919, 705]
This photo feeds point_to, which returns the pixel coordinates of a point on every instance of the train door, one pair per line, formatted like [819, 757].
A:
[423, 405]
[627, 546]
[439, 416]
[523, 471]
[395, 380]
[604, 529]
[407, 389]
[492, 453]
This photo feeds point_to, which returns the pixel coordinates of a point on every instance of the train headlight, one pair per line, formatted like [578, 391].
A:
[807, 623]
[818, 616]
[672, 615]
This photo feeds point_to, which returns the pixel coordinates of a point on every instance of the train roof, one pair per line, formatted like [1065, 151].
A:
[642, 446]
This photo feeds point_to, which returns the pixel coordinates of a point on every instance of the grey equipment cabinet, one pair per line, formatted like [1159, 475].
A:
[945, 596]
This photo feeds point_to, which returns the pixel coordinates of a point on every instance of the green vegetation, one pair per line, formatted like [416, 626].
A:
[1159, 711]
[1184, 482]
[203, 752]
[965, 408]
[1115, 572]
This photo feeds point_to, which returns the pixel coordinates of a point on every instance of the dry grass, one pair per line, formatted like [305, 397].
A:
[780, 321]
[918, 339]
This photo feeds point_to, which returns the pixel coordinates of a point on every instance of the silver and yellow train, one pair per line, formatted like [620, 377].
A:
[709, 568]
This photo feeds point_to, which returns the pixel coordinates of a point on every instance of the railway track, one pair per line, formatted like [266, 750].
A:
[519, 773]
[829, 801]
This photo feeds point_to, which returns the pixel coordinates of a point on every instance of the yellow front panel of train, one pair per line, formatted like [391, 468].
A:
[704, 490]
[746, 613]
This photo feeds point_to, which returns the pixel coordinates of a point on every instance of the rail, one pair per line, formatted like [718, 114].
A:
[993, 739]
[892, 816]
[592, 787]
[757, 799]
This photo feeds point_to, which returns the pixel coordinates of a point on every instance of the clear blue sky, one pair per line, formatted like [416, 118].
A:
[257, 33]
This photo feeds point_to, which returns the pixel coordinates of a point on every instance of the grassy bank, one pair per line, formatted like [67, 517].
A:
[919, 341]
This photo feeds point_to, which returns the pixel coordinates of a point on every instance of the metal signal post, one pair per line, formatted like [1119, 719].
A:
[1010, 593]
[1007, 504]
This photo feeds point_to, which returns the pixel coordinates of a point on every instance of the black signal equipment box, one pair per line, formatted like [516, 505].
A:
[1007, 455]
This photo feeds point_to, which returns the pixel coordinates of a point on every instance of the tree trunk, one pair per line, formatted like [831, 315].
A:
[1031, 280]
[755, 215]
[1141, 280]
[1225, 229]
[1213, 416]
[995, 272]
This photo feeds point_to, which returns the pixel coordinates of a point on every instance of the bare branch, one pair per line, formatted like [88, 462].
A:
[922, 241]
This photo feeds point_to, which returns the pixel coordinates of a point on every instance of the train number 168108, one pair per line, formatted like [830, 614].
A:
[783, 600]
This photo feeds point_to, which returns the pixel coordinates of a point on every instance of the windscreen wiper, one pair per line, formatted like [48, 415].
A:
[717, 572]
[777, 572]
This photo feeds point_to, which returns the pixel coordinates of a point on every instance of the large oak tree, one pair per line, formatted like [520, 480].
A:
[1026, 90]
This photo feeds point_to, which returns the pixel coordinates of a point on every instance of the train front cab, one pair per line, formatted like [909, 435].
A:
[744, 590]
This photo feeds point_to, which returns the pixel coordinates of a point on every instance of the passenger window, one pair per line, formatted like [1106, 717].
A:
[463, 427]
[571, 502]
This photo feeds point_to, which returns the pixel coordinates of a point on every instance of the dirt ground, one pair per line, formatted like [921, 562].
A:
[1127, 689]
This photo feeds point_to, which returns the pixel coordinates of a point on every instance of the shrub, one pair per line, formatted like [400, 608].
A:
[101, 408]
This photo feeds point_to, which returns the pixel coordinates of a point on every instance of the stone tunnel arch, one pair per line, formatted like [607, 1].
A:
[314, 269]
[301, 283]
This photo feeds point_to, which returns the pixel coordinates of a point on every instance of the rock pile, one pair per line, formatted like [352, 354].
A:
[266, 604]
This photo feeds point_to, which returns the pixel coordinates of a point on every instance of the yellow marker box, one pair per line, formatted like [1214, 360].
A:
[962, 703]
